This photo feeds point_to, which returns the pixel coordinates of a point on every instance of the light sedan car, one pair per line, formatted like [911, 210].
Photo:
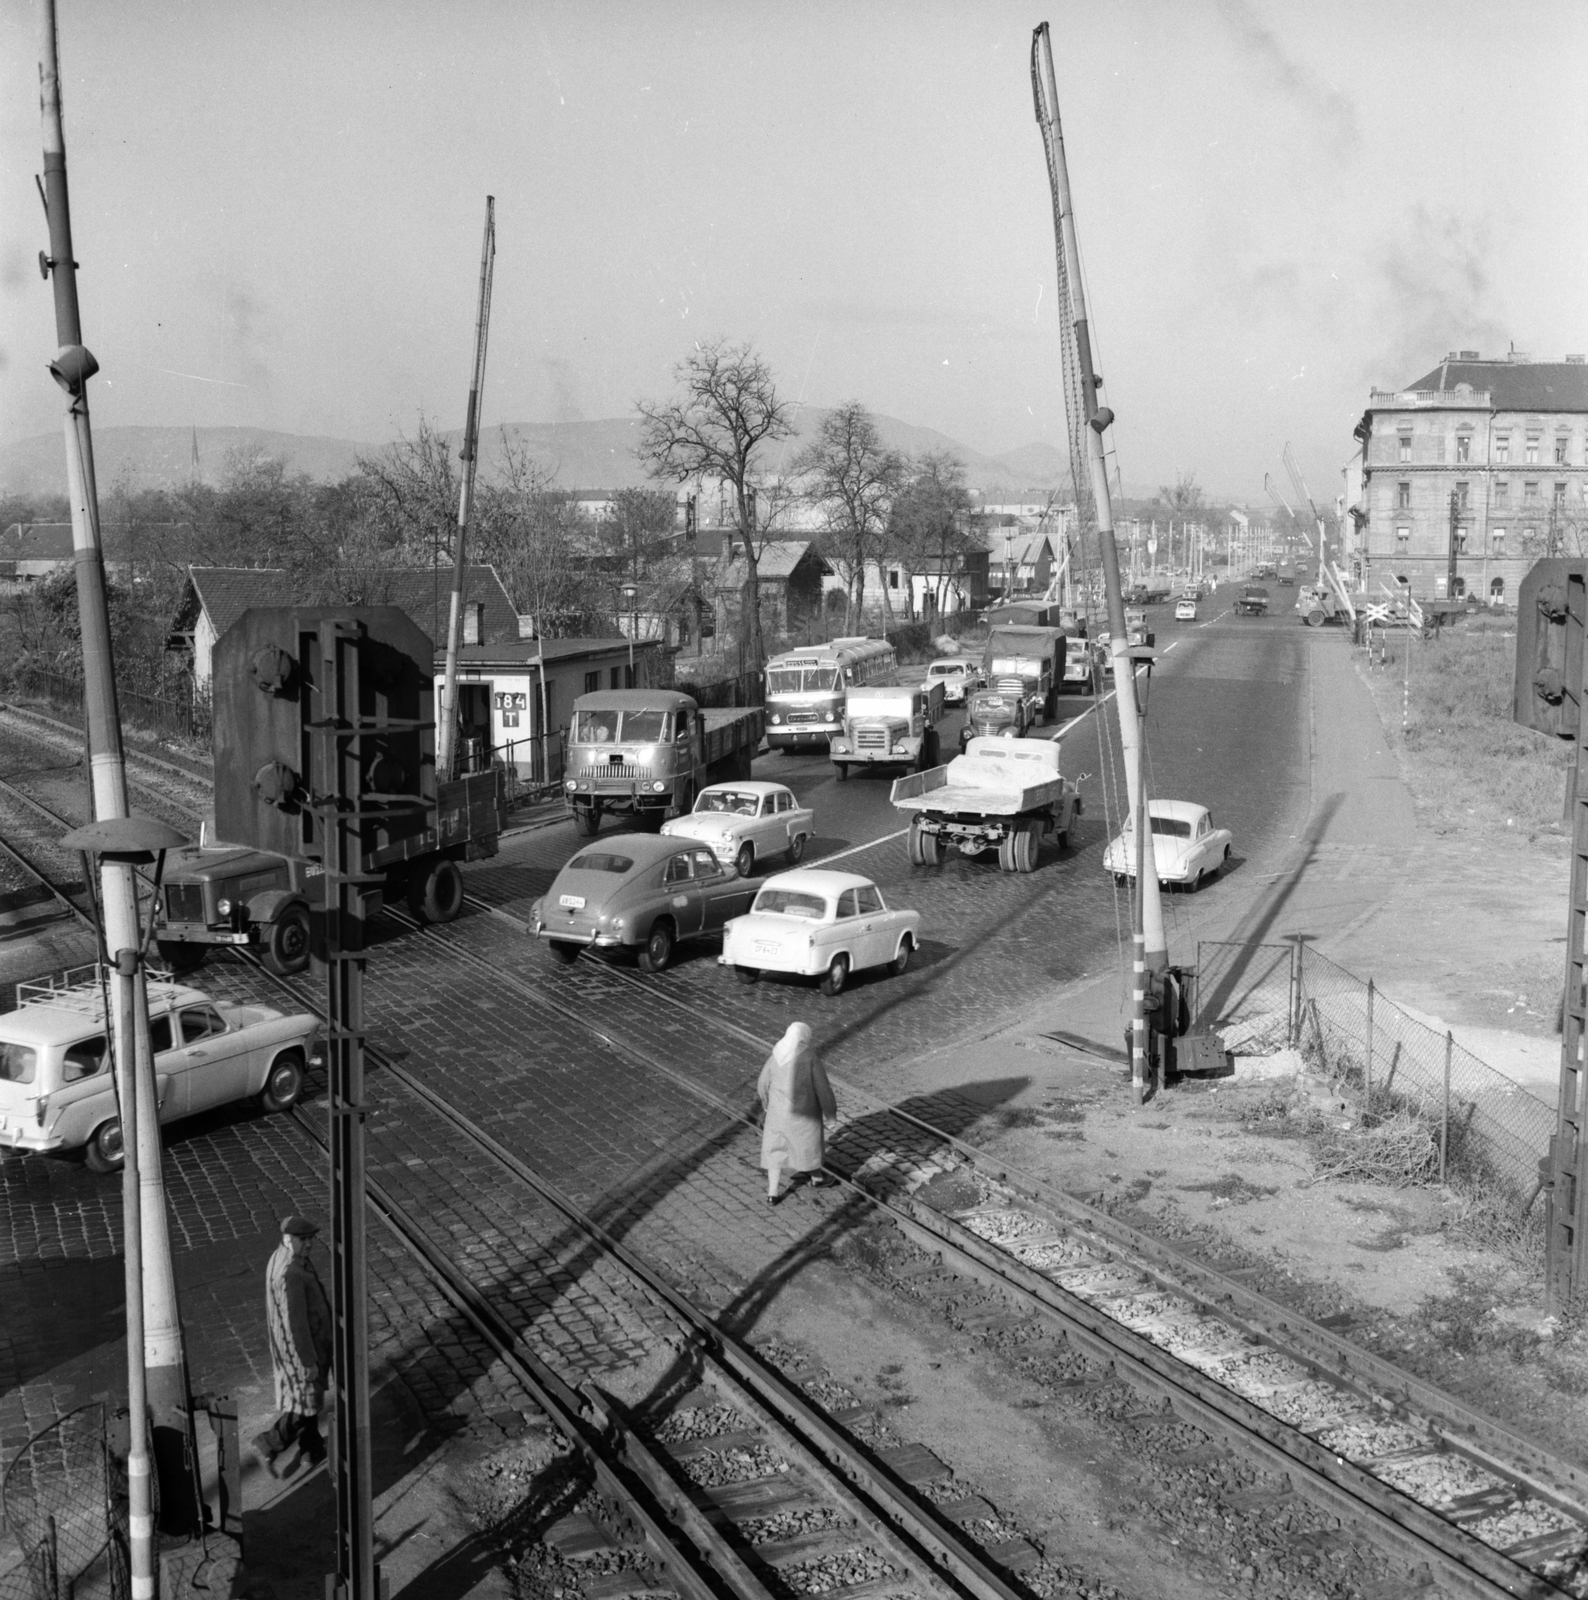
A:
[57, 1089]
[1185, 610]
[746, 823]
[640, 892]
[819, 924]
[960, 676]
[1186, 847]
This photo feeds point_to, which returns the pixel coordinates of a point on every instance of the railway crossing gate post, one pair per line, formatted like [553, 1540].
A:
[1550, 694]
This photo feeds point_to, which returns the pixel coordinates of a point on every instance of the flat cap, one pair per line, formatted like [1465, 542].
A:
[300, 1227]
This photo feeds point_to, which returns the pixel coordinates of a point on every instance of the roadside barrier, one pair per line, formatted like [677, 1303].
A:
[1489, 1130]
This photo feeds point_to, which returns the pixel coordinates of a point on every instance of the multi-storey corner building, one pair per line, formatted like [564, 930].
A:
[1492, 455]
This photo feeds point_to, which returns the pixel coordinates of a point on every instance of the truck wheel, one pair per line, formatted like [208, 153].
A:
[104, 1152]
[435, 894]
[1006, 853]
[657, 951]
[836, 976]
[284, 1083]
[932, 849]
[1315, 618]
[745, 860]
[587, 819]
[747, 974]
[287, 942]
[913, 844]
[1025, 848]
[182, 957]
[564, 950]
[843, 771]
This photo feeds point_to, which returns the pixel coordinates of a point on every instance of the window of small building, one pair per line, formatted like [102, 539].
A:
[616, 677]
[592, 682]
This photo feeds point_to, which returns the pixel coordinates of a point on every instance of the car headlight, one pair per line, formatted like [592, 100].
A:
[730, 838]
[659, 786]
[776, 717]
[224, 907]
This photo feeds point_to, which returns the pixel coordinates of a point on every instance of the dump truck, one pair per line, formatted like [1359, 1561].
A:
[646, 754]
[1001, 794]
[886, 724]
[1253, 601]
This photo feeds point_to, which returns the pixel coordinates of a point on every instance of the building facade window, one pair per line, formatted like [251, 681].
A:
[1532, 448]
[1496, 592]
[1461, 541]
[1402, 537]
[1463, 447]
[1502, 447]
[1528, 536]
[1502, 491]
[1405, 447]
[592, 682]
[1560, 497]
[1403, 496]
[1560, 451]
[1497, 536]
[1530, 491]
[617, 683]
[1458, 587]
[1462, 490]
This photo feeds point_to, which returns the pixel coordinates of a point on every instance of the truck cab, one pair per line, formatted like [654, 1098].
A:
[226, 894]
[889, 725]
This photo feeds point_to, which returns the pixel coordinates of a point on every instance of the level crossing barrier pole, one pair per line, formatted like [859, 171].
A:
[1444, 1115]
[1367, 1072]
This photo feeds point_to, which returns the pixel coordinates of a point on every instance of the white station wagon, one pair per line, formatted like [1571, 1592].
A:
[817, 923]
[746, 823]
[56, 1088]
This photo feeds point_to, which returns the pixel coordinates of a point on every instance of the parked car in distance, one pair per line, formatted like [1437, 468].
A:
[57, 1090]
[1185, 610]
[638, 892]
[819, 924]
[1186, 847]
[959, 675]
[746, 823]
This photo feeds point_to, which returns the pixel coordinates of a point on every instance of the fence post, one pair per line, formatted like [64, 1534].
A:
[1367, 1076]
[1444, 1116]
[1294, 1019]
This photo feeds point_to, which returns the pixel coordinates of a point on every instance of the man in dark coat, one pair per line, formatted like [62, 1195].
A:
[299, 1319]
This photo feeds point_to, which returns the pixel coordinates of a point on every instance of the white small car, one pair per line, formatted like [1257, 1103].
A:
[746, 823]
[1185, 609]
[960, 676]
[822, 924]
[1186, 847]
[56, 1088]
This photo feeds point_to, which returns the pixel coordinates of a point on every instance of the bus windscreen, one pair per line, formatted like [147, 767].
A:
[802, 680]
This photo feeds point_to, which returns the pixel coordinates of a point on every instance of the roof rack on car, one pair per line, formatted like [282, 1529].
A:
[78, 988]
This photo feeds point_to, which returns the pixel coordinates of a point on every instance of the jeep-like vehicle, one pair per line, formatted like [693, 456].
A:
[889, 725]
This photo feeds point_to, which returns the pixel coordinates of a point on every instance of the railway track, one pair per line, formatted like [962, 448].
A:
[1432, 1480]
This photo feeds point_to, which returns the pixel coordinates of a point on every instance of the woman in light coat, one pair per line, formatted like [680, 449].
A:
[797, 1097]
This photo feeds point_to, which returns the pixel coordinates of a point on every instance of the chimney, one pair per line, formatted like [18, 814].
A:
[474, 622]
[1470, 355]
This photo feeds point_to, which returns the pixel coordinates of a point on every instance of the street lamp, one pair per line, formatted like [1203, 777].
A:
[630, 596]
[1009, 556]
[1141, 658]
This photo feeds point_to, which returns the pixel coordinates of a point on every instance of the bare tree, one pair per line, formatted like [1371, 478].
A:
[728, 409]
[853, 479]
[928, 531]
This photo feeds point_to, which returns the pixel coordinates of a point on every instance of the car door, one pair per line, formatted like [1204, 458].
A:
[683, 902]
[722, 894]
[210, 1061]
[849, 931]
[1200, 861]
[876, 927]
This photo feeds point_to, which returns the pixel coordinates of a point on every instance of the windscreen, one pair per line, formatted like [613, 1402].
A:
[1017, 666]
[802, 680]
[644, 727]
[791, 903]
[608, 727]
[729, 802]
[18, 1063]
[601, 861]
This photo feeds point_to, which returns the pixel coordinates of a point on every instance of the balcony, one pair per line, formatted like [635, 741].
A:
[1428, 400]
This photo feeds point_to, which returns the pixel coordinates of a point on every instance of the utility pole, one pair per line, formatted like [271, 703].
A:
[157, 1370]
[447, 721]
[1150, 949]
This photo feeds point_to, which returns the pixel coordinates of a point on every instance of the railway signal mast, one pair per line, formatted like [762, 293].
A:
[447, 729]
[1087, 424]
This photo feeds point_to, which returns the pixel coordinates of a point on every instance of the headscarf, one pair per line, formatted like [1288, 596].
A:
[793, 1079]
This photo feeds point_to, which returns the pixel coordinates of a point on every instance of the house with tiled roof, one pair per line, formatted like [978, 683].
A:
[789, 587]
[215, 597]
[1469, 474]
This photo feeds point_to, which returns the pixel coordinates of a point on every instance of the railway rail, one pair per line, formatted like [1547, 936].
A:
[1431, 1480]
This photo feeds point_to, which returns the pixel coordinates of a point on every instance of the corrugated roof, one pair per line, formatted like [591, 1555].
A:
[422, 592]
[1515, 385]
[778, 559]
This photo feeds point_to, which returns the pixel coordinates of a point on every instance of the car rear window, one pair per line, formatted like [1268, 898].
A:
[791, 903]
[601, 861]
[18, 1063]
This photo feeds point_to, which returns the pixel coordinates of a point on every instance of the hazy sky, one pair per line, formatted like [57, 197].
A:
[278, 208]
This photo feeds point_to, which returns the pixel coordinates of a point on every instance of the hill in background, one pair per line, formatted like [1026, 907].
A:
[583, 455]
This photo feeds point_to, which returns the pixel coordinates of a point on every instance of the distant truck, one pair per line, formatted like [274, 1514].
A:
[998, 795]
[1024, 668]
[1253, 601]
[646, 754]
[1286, 573]
[889, 725]
[1317, 606]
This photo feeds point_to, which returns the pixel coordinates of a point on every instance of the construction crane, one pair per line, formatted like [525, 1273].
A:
[1299, 484]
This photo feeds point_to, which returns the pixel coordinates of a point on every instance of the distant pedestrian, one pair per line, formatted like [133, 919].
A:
[299, 1319]
[797, 1096]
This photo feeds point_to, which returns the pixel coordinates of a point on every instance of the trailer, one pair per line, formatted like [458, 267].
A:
[1001, 794]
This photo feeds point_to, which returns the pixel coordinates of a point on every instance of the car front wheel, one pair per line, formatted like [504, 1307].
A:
[836, 976]
[105, 1152]
[657, 951]
[284, 1084]
[744, 862]
[902, 960]
[796, 849]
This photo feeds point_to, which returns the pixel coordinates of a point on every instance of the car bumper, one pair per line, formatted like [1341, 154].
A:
[800, 965]
[600, 941]
[197, 933]
[30, 1138]
[787, 738]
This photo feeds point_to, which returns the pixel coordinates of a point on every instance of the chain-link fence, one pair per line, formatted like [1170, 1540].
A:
[65, 1499]
[1260, 998]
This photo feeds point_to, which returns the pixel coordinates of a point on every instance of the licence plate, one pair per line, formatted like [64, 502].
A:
[766, 949]
[574, 902]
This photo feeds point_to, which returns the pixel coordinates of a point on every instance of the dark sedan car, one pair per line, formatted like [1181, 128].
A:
[639, 892]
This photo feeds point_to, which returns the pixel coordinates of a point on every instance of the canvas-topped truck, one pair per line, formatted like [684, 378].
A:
[1253, 601]
[1004, 795]
[1024, 668]
[889, 724]
[646, 754]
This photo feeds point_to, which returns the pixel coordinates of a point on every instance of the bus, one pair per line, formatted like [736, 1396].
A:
[805, 688]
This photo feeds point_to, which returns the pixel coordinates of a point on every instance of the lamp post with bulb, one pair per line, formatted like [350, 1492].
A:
[630, 600]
